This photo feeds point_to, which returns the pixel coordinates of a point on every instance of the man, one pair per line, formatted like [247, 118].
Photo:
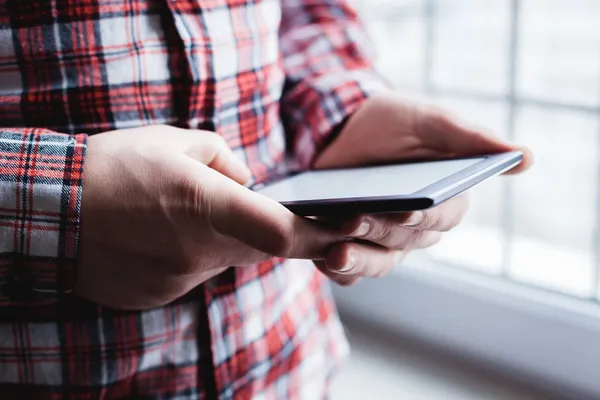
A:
[135, 261]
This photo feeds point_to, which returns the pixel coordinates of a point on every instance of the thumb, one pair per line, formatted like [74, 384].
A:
[266, 225]
[212, 150]
[255, 220]
[459, 140]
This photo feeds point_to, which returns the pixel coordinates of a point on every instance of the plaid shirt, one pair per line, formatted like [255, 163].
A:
[270, 76]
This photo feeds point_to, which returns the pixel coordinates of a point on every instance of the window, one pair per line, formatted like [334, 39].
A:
[528, 70]
[517, 285]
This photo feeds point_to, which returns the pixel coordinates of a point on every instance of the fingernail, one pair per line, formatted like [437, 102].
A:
[349, 266]
[415, 219]
[363, 228]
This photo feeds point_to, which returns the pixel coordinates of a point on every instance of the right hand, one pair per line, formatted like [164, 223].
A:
[164, 209]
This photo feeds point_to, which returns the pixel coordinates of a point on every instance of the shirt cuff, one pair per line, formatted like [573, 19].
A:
[329, 113]
[40, 205]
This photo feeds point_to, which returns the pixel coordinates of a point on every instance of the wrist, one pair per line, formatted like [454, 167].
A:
[356, 135]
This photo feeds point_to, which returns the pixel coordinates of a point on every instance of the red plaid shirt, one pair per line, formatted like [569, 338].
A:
[269, 76]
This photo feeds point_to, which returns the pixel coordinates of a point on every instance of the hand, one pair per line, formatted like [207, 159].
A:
[382, 241]
[388, 129]
[163, 210]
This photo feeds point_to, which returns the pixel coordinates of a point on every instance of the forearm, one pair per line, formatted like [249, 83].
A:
[40, 199]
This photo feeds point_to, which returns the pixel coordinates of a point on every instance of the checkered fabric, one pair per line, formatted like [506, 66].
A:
[273, 77]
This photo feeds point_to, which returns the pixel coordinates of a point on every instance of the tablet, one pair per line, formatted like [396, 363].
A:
[384, 189]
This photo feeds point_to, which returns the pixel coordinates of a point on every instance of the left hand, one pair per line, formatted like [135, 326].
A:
[388, 129]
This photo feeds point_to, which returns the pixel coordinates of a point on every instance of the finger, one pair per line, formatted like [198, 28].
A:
[383, 230]
[260, 222]
[441, 218]
[392, 235]
[399, 231]
[212, 150]
[363, 260]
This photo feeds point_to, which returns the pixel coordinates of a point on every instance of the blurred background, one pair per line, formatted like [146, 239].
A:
[506, 306]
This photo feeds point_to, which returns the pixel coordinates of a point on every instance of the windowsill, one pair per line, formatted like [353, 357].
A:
[386, 366]
[546, 337]
[533, 261]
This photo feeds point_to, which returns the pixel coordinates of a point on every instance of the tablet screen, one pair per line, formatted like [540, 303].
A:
[389, 180]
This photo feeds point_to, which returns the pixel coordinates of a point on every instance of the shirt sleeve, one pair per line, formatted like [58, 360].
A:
[329, 72]
[41, 176]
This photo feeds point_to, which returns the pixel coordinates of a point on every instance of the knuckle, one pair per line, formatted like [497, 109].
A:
[184, 266]
[186, 191]
[209, 138]
[441, 116]
[282, 241]
[197, 198]
[282, 247]
[436, 116]
[403, 242]
[157, 127]
[380, 231]
[223, 151]
[218, 140]
[430, 220]
[414, 240]
[188, 262]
